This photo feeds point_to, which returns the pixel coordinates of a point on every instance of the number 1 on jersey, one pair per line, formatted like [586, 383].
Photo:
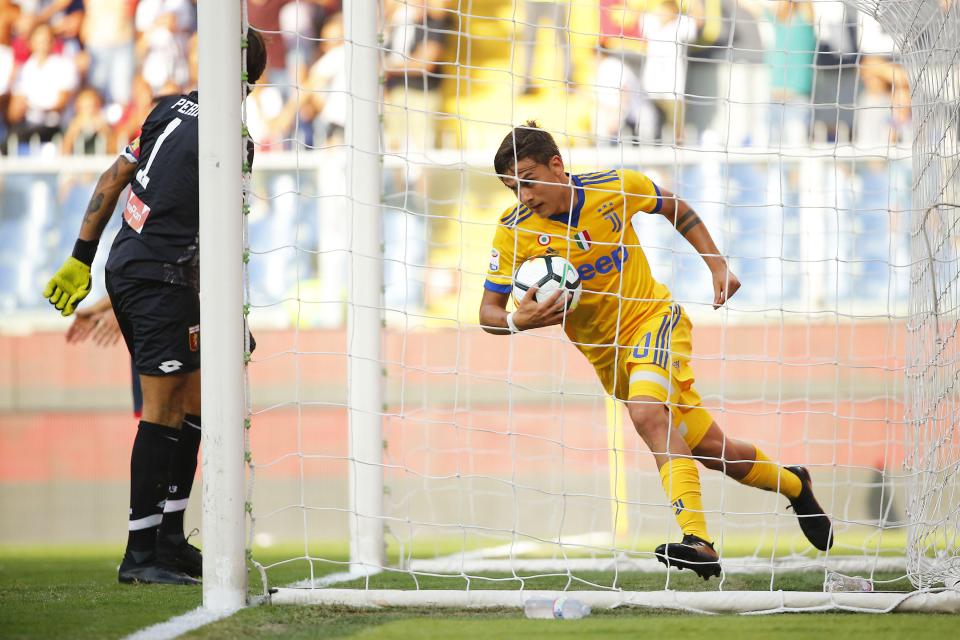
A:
[142, 176]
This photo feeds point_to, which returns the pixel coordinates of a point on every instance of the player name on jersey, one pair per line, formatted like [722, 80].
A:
[187, 107]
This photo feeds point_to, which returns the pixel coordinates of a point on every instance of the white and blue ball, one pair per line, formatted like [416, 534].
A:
[548, 273]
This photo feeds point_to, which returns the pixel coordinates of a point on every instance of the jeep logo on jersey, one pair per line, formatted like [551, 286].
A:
[170, 366]
[604, 264]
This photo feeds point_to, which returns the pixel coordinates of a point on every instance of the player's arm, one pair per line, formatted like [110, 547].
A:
[71, 283]
[499, 283]
[111, 184]
[530, 314]
[688, 224]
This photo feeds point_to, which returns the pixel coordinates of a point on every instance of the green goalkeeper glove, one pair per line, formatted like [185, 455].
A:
[69, 285]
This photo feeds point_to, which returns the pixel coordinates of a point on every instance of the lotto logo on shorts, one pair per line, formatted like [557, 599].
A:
[194, 337]
[170, 366]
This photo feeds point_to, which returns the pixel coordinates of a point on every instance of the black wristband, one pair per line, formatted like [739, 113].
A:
[85, 250]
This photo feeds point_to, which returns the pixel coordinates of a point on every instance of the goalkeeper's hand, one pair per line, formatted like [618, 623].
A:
[68, 286]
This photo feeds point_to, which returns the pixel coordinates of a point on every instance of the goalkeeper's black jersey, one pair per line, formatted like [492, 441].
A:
[159, 236]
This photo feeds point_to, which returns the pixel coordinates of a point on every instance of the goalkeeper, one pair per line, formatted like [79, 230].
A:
[627, 326]
[152, 277]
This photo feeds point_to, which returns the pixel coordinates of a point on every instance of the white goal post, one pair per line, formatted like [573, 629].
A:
[220, 164]
[465, 462]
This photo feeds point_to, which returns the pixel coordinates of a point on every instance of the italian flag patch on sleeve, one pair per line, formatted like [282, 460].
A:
[582, 238]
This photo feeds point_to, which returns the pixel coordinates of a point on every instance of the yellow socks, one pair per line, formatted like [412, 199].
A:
[772, 477]
[681, 483]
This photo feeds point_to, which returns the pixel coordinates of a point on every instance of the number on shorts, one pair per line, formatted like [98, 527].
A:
[646, 348]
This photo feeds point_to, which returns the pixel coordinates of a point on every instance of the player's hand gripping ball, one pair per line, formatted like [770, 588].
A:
[548, 273]
[68, 286]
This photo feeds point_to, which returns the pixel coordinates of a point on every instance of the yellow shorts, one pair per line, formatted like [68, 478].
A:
[657, 365]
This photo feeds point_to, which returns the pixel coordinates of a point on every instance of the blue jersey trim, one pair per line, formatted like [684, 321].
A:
[511, 217]
[659, 198]
[596, 174]
[660, 348]
[602, 178]
[499, 288]
[572, 218]
[596, 182]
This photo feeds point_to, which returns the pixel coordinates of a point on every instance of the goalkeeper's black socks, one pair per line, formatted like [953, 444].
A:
[153, 449]
[183, 468]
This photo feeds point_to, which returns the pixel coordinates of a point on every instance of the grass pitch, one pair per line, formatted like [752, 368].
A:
[423, 624]
[73, 593]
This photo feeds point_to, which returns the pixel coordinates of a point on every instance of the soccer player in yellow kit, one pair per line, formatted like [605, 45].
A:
[628, 327]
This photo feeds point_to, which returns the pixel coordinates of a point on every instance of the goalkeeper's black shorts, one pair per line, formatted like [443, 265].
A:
[160, 323]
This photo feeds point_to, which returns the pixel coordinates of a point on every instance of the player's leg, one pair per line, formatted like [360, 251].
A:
[678, 471]
[163, 397]
[681, 483]
[654, 368]
[141, 308]
[172, 545]
[155, 445]
[744, 462]
[747, 464]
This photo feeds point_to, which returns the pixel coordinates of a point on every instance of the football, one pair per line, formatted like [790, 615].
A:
[549, 273]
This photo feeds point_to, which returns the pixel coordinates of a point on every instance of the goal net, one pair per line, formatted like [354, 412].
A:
[399, 454]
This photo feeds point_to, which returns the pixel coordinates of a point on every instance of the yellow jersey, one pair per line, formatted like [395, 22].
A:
[598, 238]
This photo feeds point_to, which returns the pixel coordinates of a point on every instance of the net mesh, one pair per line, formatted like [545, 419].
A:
[932, 460]
[504, 462]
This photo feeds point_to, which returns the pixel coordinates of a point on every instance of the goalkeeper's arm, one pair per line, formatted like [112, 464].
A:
[71, 283]
[688, 224]
[109, 187]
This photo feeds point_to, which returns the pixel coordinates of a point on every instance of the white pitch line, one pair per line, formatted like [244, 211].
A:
[333, 578]
[179, 625]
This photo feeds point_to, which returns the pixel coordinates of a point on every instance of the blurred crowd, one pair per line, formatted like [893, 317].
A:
[756, 72]
[79, 76]
[83, 73]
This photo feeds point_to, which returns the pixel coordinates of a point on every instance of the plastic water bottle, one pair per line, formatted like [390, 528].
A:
[558, 609]
[837, 582]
